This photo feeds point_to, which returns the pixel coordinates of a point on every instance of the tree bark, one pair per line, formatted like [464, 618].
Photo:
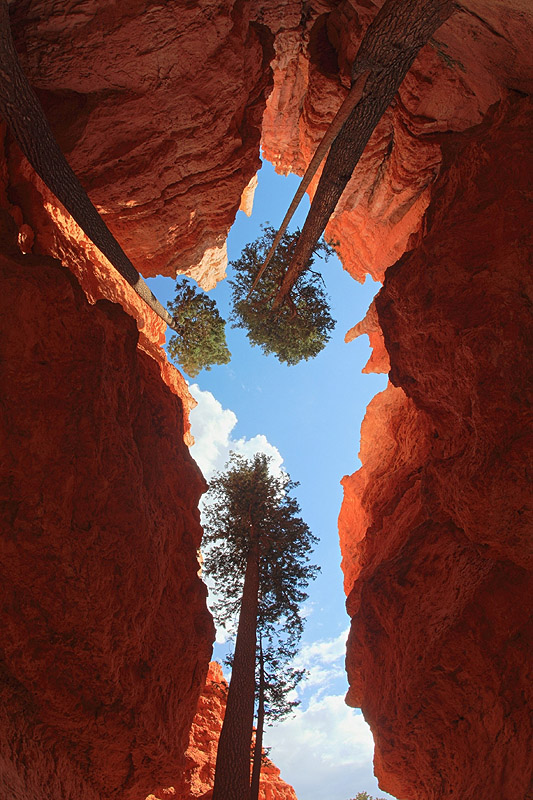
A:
[258, 749]
[389, 47]
[26, 119]
[232, 770]
[350, 101]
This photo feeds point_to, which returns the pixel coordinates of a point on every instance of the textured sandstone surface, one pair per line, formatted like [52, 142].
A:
[158, 108]
[200, 759]
[436, 526]
[483, 49]
[100, 666]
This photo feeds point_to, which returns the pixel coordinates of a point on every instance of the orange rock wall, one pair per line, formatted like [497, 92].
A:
[105, 633]
[199, 773]
[436, 526]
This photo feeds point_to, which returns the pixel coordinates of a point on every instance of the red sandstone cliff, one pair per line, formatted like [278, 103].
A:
[436, 526]
[100, 666]
[100, 533]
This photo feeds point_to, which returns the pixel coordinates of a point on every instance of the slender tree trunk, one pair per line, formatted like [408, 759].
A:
[350, 101]
[258, 749]
[389, 47]
[232, 771]
[26, 119]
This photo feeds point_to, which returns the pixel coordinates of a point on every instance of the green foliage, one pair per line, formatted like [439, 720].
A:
[244, 500]
[300, 327]
[364, 796]
[281, 678]
[200, 339]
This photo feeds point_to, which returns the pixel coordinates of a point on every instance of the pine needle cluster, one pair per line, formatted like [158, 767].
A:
[301, 326]
[200, 338]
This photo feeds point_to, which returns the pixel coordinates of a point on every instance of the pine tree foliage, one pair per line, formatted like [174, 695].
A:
[200, 339]
[258, 558]
[246, 497]
[301, 326]
[281, 677]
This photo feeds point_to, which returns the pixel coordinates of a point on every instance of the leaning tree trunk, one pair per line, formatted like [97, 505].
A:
[389, 47]
[232, 770]
[26, 119]
[258, 749]
[348, 105]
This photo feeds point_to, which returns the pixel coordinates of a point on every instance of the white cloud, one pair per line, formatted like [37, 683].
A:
[325, 750]
[324, 662]
[325, 650]
[212, 425]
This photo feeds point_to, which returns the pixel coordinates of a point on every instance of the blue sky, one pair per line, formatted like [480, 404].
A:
[308, 417]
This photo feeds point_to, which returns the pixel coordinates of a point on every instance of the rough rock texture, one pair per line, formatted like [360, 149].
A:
[436, 526]
[198, 776]
[158, 108]
[483, 49]
[100, 664]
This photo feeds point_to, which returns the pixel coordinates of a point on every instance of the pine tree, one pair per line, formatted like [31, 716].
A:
[300, 327]
[258, 558]
[200, 339]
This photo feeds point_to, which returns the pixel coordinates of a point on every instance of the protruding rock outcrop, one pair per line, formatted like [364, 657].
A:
[158, 110]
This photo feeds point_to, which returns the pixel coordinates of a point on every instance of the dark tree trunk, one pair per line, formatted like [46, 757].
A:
[258, 749]
[389, 47]
[350, 101]
[26, 119]
[232, 771]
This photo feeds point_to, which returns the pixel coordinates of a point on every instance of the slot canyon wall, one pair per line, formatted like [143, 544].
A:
[160, 109]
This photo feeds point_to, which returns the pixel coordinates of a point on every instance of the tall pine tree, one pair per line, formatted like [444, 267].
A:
[258, 558]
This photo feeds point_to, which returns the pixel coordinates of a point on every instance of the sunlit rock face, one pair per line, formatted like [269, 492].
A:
[482, 50]
[436, 526]
[196, 780]
[105, 633]
[158, 108]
